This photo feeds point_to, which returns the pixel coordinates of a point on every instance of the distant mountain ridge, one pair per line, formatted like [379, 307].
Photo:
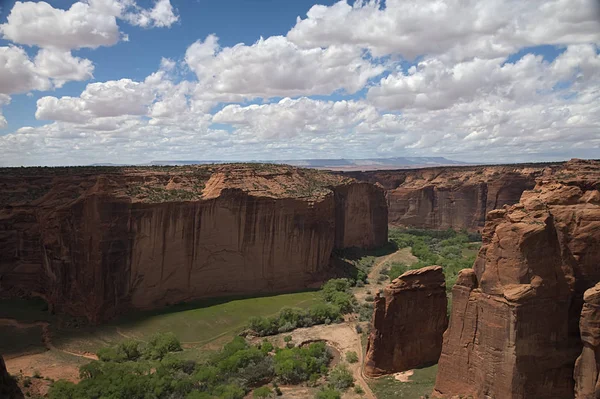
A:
[339, 164]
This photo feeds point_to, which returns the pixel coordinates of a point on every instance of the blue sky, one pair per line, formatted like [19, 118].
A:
[396, 78]
[141, 56]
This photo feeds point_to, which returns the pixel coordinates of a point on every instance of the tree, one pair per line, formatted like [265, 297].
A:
[263, 392]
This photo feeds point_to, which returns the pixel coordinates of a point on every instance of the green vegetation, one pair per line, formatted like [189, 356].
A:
[356, 263]
[450, 249]
[340, 377]
[351, 357]
[421, 384]
[337, 301]
[328, 393]
[262, 392]
[162, 194]
[138, 372]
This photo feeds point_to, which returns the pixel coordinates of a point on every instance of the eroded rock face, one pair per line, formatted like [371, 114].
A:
[513, 330]
[94, 244]
[8, 386]
[587, 366]
[452, 197]
[408, 322]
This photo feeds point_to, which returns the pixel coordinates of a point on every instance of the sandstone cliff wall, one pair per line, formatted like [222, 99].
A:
[408, 323]
[587, 366]
[95, 250]
[452, 197]
[514, 327]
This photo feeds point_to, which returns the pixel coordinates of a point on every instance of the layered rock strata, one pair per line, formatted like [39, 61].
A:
[587, 366]
[452, 197]
[409, 320]
[514, 327]
[96, 242]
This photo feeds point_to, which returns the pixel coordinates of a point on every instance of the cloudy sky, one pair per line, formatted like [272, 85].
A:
[130, 81]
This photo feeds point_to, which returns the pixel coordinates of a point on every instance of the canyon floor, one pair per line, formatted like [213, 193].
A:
[54, 348]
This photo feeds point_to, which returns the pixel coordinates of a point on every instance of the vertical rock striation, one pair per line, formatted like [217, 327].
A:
[408, 322]
[514, 327]
[587, 366]
[97, 243]
[452, 197]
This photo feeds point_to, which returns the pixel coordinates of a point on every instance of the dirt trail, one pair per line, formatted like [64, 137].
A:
[403, 255]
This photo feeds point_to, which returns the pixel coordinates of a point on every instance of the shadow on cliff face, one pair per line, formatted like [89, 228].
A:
[8, 385]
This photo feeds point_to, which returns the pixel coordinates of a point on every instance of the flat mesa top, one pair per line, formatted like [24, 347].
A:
[163, 183]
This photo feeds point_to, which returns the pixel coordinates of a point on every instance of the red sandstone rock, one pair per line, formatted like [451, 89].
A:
[452, 197]
[95, 242]
[587, 366]
[513, 330]
[408, 322]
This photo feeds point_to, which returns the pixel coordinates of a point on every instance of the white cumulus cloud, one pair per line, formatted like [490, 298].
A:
[289, 118]
[458, 29]
[276, 67]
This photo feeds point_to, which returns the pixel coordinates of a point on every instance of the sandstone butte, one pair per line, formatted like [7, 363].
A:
[457, 197]
[514, 329]
[94, 242]
[409, 320]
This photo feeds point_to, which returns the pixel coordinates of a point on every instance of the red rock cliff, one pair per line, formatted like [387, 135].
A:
[513, 330]
[587, 366]
[452, 197]
[94, 243]
[408, 322]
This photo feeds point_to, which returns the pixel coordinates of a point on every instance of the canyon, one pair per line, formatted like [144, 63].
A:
[525, 319]
[456, 197]
[95, 242]
[514, 329]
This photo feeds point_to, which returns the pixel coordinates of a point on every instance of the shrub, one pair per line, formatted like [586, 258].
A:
[276, 389]
[335, 285]
[287, 338]
[339, 301]
[397, 270]
[340, 377]
[328, 393]
[358, 329]
[262, 392]
[351, 357]
[369, 298]
[358, 390]
[160, 344]
[295, 365]
[365, 312]
[266, 346]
